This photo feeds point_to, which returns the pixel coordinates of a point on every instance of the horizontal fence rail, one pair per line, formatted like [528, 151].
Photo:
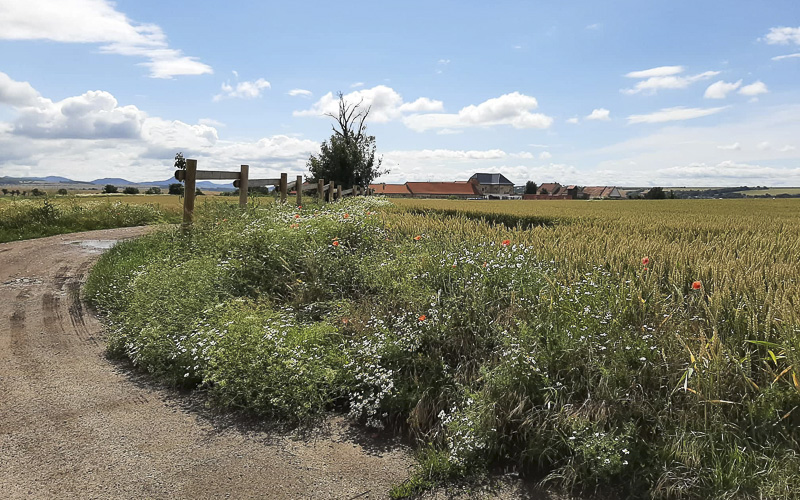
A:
[325, 192]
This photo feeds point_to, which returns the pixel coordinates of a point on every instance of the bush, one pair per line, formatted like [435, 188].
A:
[130, 190]
[63, 192]
[176, 188]
[110, 188]
[153, 190]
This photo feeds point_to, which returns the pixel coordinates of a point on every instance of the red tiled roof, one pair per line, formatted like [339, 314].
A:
[550, 187]
[389, 188]
[442, 188]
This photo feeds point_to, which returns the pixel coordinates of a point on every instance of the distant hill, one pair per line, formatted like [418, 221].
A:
[116, 181]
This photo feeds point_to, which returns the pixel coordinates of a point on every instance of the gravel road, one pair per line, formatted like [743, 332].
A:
[75, 425]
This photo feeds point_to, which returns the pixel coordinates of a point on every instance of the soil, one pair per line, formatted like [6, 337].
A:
[75, 424]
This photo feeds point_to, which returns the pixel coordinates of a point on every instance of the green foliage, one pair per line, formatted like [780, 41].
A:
[348, 157]
[508, 344]
[180, 161]
[197, 192]
[26, 219]
[655, 193]
[530, 187]
[110, 189]
[176, 188]
[153, 190]
[61, 192]
[130, 190]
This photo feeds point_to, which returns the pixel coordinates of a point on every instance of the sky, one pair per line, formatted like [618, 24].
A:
[627, 93]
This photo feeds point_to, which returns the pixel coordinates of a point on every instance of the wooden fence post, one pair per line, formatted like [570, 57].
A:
[299, 187]
[332, 192]
[339, 193]
[243, 174]
[320, 192]
[284, 186]
[188, 192]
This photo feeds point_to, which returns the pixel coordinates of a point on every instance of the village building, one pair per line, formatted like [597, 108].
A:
[390, 190]
[456, 189]
[489, 184]
[603, 192]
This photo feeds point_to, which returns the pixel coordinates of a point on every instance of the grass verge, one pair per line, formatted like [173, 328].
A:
[471, 339]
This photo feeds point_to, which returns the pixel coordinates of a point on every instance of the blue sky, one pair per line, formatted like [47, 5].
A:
[626, 93]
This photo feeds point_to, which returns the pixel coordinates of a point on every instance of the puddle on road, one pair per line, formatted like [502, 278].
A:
[94, 245]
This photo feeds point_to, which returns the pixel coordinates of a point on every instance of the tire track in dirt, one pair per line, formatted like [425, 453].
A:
[73, 424]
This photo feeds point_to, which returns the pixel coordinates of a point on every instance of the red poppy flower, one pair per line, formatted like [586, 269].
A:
[299, 207]
[422, 318]
[296, 216]
[645, 261]
[346, 215]
[335, 243]
[417, 238]
[506, 243]
[697, 285]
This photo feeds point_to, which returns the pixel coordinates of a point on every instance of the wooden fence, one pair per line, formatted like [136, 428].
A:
[325, 192]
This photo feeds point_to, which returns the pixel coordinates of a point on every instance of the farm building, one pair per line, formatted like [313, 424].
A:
[457, 189]
[602, 192]
[492, 184]
[555, 191]
[391, 190]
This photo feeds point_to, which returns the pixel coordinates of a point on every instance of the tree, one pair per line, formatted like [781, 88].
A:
[180, 161]
[197, 192]
[110, 188]
[153, 190]
[530, 187]
[656, 193]
[38, 192]
[176, 188]
[348, 157]
[5, 191]
[130, 190]
[62, 192]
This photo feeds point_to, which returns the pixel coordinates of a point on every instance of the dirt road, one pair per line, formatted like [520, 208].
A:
[73, 425]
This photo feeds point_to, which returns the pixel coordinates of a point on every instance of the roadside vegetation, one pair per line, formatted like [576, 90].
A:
[643, 349]
[25, 219]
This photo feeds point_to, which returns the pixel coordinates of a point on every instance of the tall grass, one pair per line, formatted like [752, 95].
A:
[550, 348]
[24, 219]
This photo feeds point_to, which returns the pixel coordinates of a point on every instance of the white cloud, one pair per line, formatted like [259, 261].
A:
[356, 85]
[545, 155]
[730, 147]
[787, 148]
[674, 114]
[574, 120]
[594, 26]
[384, 102]
[637, 161]
[720, 89]
[509, 109]
[443, 62]
[787, 56]
[656, 72]
[783, 36]
[421, 105]
[243, 90]
[96, 21]
[664, 77]
[727, 173]
[754, 89]
[92, 135]
[763, 146]
[210, 122]
[300, 92]
[601, 114]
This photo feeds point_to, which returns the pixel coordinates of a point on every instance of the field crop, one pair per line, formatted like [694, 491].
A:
[649, 349]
